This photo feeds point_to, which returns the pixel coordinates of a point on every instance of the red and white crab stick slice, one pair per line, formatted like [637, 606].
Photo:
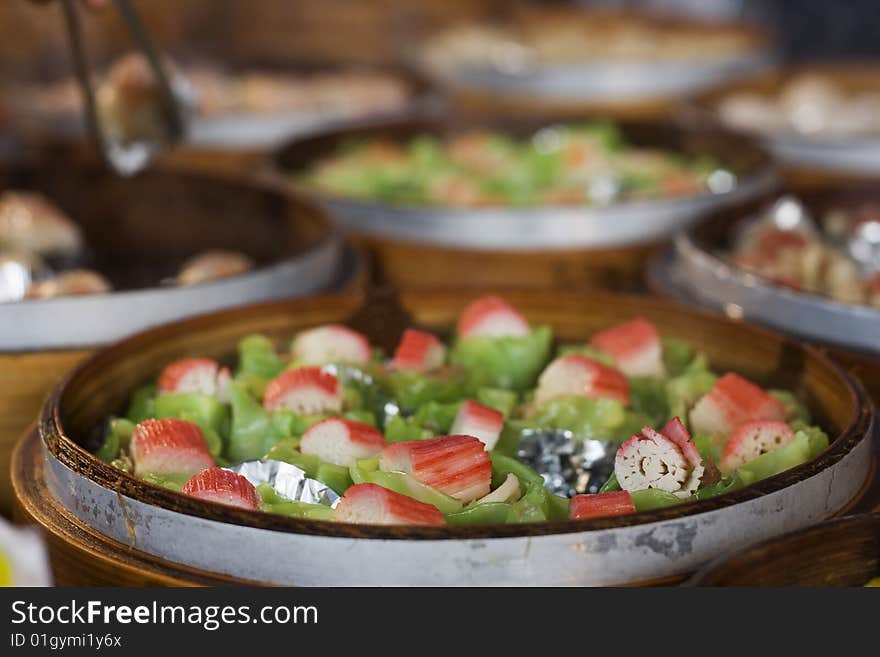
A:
[456, 465]
[371, 504]
[201, 376]
[331, 343]
[751, 439]
[480, 421]
[635, 347]
[601, 505]
[418, 351]
[169, 446]
[576, 375]
[224, 487]
[666, 460]
[305, 390]
[732, 401]
[342, 442]
[492, 317]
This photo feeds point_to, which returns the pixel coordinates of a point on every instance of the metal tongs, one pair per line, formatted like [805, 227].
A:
[126, 158]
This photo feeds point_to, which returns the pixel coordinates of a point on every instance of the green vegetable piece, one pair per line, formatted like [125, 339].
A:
[257, 355]
[116, 438]
[335, 476]
[610, 485]
[817, 439]
[503, 401]
[648, 398]
[404, 484]
[255, 384]
[508, 441]
[510, 363]
[589, 352]
[709, 446]
[531, 507]
[272, 502]
[284, 451]
[795, 410]
[140, 407]
[492, 513]
[653, 498]
[503, 465]
[684, 390]
[677, 355]
[173, 482]
[734, 481]
[436, 418]
[401, 429]
[412, 390]
[208, 413]
[361, 415]
[598, 419]
[251, 432]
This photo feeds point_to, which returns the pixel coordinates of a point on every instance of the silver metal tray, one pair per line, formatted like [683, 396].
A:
[542, 228]
[610, 81]
[710, 281]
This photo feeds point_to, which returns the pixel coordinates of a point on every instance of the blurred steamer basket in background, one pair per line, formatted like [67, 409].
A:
[599, 245]
[137, 232]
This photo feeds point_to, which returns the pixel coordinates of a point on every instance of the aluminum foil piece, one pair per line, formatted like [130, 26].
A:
[288, 481]
[383, 407]
[568, 465]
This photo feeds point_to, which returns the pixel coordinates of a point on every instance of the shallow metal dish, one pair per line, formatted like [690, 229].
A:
[703, 275]
[853, 155]
[540, 228]
[138, 231]
[649, 546]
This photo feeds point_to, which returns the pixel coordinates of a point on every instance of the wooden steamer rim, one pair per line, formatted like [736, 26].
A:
[98, 494]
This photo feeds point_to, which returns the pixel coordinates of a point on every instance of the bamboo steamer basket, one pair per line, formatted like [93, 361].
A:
[693, 274]
[138, 231]
[625, 86]
[144, 533]
[839, 552]
[543, 247]
[806, 161]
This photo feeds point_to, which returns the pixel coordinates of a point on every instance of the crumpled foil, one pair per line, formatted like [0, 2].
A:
[288, 480]
[568, 466]
[382, 406]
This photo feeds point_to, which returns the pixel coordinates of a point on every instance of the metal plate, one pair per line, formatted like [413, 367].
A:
[92, 320]
[560, 228]
[605, 81]
[711, 281]
[629, 554]
[850, 156]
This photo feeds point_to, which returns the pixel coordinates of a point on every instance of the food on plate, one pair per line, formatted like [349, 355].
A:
[70, 283]
[573, 164]
[212, 266]
[836, 257]
[215, 93]
[432, 435]
[546, 38]
[30, 223]
[809, 105]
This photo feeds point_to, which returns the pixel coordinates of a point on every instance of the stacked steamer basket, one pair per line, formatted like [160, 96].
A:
[566, 60]
[840, 552]
[554, 245]
[137, 232]
[819, 120]
[107, 527]
[237, 111]
[698, 270]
